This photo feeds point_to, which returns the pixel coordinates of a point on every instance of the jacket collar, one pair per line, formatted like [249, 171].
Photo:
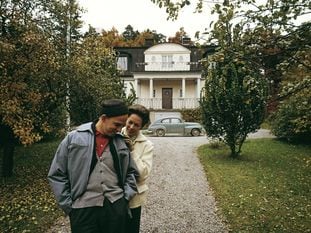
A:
[140, 137]
[85, 127]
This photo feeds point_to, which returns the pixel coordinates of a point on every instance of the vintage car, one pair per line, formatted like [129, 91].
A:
[175, 125]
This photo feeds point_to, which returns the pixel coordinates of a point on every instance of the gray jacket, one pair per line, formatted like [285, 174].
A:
[70, 168]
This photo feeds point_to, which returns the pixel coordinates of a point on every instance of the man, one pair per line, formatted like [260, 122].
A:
[92, 174]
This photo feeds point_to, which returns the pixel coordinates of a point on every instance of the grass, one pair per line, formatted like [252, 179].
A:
[27, 203]
[266, 190]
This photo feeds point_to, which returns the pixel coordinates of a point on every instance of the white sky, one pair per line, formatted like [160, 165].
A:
[142, 15]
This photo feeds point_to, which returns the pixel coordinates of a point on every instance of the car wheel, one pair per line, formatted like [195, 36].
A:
[195, 132]
[160, 132]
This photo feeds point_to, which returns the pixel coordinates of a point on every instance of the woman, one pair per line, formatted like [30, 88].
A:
[142, 153]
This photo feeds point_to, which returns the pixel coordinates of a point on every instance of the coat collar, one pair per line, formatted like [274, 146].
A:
[140, 137]
[85, 127]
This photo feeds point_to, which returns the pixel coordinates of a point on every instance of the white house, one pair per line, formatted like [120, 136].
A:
[166, 77]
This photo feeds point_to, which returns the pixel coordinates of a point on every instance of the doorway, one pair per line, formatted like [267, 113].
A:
[167, 98]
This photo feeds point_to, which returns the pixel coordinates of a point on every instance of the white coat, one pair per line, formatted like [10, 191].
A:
[142, 156]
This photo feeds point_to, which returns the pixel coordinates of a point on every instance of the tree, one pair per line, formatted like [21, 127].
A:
[129, 33]
[28, 89]
[258, 38]
[233, 104]
[179, 36]
[96, 78]
[32, 86]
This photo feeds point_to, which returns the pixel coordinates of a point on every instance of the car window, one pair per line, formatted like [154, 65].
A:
[175, 120]
[166, 121]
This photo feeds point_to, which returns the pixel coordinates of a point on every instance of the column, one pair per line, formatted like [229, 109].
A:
[151, 88]
[198, 87]
[183, 93]
[183, 87]
[136, 87]
[151, 93]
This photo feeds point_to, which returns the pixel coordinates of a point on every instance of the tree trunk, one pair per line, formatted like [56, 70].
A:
[8, 143]
[234, 153]
[7, 159]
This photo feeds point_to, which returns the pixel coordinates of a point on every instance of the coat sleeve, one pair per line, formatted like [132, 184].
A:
[143, 161]
[58, 177]
[130, 188]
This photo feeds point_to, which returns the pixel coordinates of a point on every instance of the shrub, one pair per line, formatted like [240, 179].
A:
[192, 115]
[292, 120]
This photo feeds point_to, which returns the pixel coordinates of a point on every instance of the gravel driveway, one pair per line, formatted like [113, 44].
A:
[179, 198]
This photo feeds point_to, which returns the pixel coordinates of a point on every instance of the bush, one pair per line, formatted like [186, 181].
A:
[192, 115]
[292, 120]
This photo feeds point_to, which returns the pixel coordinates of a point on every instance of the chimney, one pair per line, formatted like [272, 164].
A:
[186, 40]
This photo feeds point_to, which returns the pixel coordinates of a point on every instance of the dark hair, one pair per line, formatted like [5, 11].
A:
[141, 111]
[114, 107]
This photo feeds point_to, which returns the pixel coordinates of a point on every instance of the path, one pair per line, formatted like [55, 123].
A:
[179, 199]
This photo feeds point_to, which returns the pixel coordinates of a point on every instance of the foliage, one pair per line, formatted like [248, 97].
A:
[179, 37]
[234, 98]
[30, 89]
[33, 84]
[233, 104]
[129, 33]
[132, 97]
[129, 38]
[272, 32]
[27, 203]
[263, 37]
[266, 190]
[292, 120]
[96, 79]
[192, 115]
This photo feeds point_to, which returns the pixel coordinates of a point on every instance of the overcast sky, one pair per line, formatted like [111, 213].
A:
[141, 15]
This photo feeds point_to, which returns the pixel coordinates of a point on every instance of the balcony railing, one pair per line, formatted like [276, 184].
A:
[168, 66]
[178, 103]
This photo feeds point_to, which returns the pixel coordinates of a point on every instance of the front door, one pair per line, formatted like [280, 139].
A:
[167, 98]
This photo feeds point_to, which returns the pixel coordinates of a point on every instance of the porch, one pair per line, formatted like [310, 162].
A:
[173, 103]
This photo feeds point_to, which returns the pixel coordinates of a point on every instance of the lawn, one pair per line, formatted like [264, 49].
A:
[266, 190]
[26, 203]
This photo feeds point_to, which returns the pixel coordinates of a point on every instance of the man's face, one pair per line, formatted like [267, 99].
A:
[112, 125]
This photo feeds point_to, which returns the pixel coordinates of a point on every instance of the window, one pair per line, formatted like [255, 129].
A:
[180, 93]
[167, 61]
[154, 93]
[175, 120]
[166, 121]
[122, 63]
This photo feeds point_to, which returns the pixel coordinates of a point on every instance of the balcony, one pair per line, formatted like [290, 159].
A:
[177, 103]
[168, 66]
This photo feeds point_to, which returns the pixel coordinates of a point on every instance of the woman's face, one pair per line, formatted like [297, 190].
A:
[133, 125]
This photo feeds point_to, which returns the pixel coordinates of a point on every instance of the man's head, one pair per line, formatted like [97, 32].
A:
[113, 116]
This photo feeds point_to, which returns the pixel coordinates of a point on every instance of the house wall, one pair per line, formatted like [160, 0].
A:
[180, 58]
[176, 85]
[166, 65]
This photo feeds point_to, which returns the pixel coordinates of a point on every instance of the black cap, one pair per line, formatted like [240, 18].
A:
[114, 107]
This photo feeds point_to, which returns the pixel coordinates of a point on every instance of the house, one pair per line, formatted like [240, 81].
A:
[166, 77]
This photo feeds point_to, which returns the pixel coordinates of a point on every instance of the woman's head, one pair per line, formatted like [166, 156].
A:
[138, 117]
